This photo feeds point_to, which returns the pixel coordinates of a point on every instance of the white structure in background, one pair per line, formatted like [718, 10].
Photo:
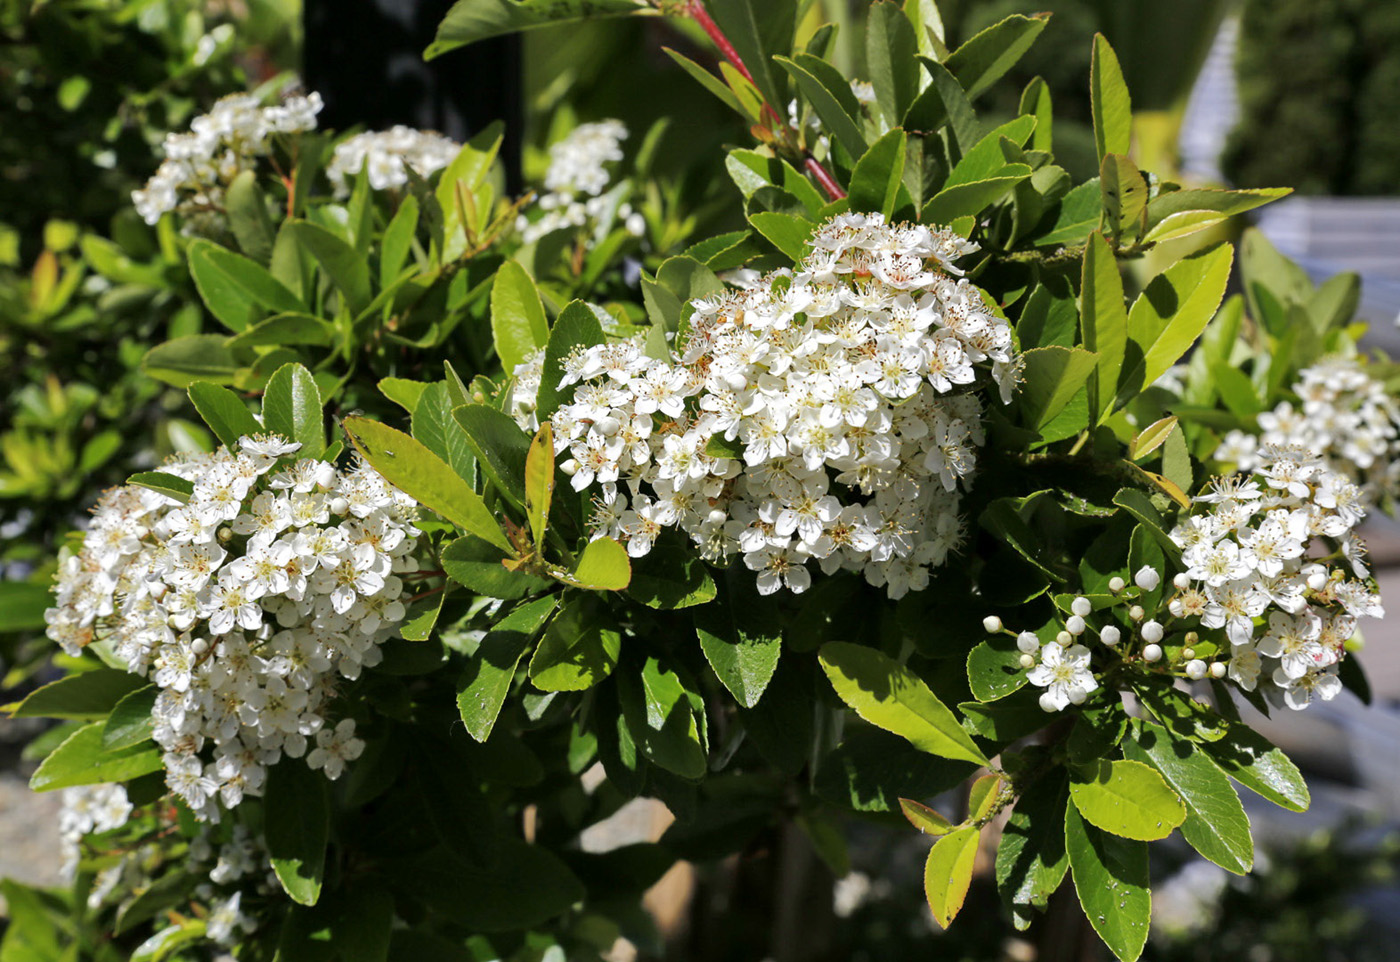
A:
[1325, 235]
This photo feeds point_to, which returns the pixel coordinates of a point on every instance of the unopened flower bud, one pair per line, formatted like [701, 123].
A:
[1151, 631]
[1136, 613]
[1110, 635]
[569, 467]
[992, 624]
[1116, 584]
[199, 646]
[1077, 695]
[1028, 643]
[1027, 661]
[1152, 653]
[225, 534]
[1195, 669]
[1147, 578]
[340, 505]
[1217, 669]
[1064, 639]
[1075, 625]
[1081, 606]
[1182, 581]
[1187, 654]
[1047, 703]
[1317, 580]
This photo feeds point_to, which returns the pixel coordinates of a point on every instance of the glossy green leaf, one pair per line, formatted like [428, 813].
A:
[664, 717]
[500, 447]
[925, 819]
[130, 721]
[195, 357]
[412, 468]
[1151, 438]
[742, 650]
[84, 695]
[1031, 859]
[284, 329]
[1182, 224]
[576, 326]
[403, 392]
[346, 269]
[248, 217]
[1226, 202]
[1053, 375]
[1124, 195]
[1111, 878]
[292, 409]
[876, 180]
[485, 682]
[890, 48]
[397, 243]
[603, 565]
[751, 171]
[578, 650]
[518, 324]
[1216, 824]
[435, 424]
[539, 481]
[1036, 102]
[759, 29]
[670, 577]
[994, 669]
[987, 158]
[176, 488]
[787, 232]
[890, 696]
[987, 56]
[1079, 214]
[943, 102]
[1109, 102]
[830, 95]
[471, 20]
[225, 413]
[1127, 799]
[970, 199]
[1103, 321]
[707, 80]
[477, 565]
[1253, 761]
[81, 759]
[224, 275]
[296, 802]
[948, 873]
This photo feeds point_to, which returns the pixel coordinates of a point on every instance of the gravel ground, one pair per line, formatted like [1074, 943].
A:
[28, 821]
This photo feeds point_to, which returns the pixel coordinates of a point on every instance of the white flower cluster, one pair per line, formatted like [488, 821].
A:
[575, 183]
[389, 155]
[1247, 558]
[817, 415]
[88, 810]
[1346, 417]
[244, 606]
[199, 165]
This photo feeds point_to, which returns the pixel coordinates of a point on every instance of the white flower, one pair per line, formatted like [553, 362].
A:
[334, 748]
[1064, 674]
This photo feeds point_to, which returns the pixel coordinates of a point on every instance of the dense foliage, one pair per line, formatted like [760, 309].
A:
[903, 485]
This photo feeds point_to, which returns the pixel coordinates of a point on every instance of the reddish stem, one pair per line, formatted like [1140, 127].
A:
[833, 189]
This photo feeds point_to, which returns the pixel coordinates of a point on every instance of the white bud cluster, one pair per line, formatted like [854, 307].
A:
[200, 164]
[1346, 417]
[575, 183]
[814, 416]
[1246, 557]
[244, 606]
[389, 155]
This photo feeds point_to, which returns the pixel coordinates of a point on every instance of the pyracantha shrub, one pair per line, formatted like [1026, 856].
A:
[825, 414]
[576, 184]
[389, 155]
[245, 605]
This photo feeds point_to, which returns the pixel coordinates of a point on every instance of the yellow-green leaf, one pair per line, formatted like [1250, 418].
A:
[923, 818]
[1109, 102]
[948, 873]
[539, 481]
[603, 566]
[1103, 321]
[1126, 798]
[1151, 438]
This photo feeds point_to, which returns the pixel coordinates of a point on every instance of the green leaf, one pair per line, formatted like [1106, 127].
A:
[1031, 859]
[227, 276]
[708, 81]
[744, 658]
[296, 826]
[987, 56]
[928, 26]
[413, 469]
[663, 716]
[994, 669]
[130, 721]
[576, 326]
[194, 357]
[943, 102]
[477, 564]
[518, 323]
[1035, 102]
[1140, 506]
[225, 413]
[948, 872]
[22, 605]
[539, 481]
[471, 20]
[890, 696]
[1109, 102]
[971, 199]
[1253, 761]
[787, 232]
[398, 241]
[1111, 877]
[485, 682]
[1124, 195]
[80, 759]
[285, 329]
[1182, 224]
[925, 819]
[1103, 322]
[578, 650]
[1127, 799]
[669, 577]
[1079, 213]
[1151, 438]
[830, 95]
[758, 29]
[1216, 824]
[751, 171]
[403, 392]
[890, 49]
[226, 300]
[501, 448]
[247, 216]
[1053, 375]
[1226, 202]
[1170, 314]
[435, 424]
[987, 158]
[602, 566]
[169, 485]
[292, 408]
[85, 696]
[347, 270]
[876, 180]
